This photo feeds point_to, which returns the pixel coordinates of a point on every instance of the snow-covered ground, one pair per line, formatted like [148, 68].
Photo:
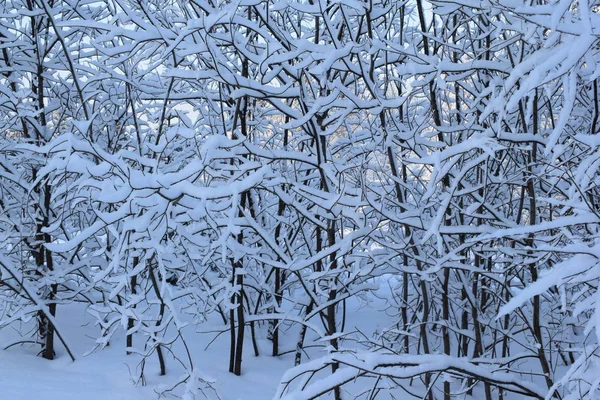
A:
[110, 374]
[25, 376]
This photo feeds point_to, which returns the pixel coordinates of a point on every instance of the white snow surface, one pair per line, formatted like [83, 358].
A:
[26, 376]
[110, 374]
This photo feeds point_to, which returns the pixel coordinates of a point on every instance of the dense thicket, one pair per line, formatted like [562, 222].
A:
[260, 164]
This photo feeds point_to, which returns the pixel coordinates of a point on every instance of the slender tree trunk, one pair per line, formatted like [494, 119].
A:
[130, 320]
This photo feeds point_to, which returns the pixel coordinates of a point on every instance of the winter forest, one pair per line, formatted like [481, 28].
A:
[299, 199]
